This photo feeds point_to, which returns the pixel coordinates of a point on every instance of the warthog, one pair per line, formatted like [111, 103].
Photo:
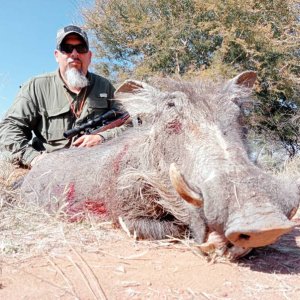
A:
[190, 146]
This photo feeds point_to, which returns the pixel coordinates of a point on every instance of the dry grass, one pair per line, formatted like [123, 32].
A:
[291, 168]
[28, 230]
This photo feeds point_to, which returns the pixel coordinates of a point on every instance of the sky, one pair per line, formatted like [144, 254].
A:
[27, 31]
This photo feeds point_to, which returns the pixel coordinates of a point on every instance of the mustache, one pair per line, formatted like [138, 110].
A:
[70, 60]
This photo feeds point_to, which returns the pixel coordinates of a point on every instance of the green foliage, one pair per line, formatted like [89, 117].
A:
[142, 38]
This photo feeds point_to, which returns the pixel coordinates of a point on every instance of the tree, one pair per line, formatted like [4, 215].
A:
[141, 38]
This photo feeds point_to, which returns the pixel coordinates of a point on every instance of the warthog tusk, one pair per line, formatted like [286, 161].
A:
[183, 188]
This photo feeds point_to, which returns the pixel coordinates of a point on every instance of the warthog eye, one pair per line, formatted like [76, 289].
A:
[171, 104]
[229, 245]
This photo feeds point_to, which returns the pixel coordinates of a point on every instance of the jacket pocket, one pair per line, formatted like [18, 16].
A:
[97, 105]
[57, 121]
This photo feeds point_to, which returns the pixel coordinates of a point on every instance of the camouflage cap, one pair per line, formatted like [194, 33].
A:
[63, 32]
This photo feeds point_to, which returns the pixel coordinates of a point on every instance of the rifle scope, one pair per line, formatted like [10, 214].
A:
[110, 115]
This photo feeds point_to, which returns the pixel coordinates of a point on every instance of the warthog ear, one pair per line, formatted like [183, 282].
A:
[138, 97]
[183, 188]
[246, 79]
[130, 86]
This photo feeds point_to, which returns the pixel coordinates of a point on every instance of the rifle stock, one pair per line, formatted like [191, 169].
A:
[115, 123]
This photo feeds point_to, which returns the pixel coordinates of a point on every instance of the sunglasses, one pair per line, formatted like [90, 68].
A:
[68, 48]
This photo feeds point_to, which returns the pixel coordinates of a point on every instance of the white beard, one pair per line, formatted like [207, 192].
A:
[75, 78]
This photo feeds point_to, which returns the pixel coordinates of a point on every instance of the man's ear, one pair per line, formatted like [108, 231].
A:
[90, 55]
[55, 54]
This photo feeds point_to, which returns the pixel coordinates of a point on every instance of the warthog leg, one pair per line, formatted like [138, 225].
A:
[155, 229]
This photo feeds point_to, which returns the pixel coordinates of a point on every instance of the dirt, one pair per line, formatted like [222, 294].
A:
[122, 268]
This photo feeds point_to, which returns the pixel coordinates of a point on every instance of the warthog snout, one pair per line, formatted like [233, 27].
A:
[257, 226]
[257, 238]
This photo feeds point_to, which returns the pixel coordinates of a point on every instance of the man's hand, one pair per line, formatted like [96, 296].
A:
[89, 140]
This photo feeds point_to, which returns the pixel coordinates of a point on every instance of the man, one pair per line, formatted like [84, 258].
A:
[50, 104]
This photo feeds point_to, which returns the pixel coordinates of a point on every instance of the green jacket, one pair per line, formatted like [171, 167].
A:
[42, 107]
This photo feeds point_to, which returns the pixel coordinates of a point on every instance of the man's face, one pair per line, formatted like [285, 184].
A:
[80, 61]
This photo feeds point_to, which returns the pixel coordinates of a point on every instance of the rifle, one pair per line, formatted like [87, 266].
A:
[108, 120]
